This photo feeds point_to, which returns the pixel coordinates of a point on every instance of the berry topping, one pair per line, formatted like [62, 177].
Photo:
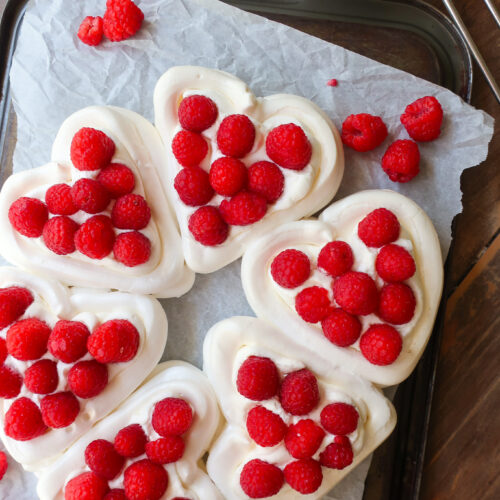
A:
[396, 303]
[10, 382]
[422, 119]
[96, 237]
[401, 161]
[86, 486]
[68, 340]
[356, 293]
[261, 479]
[59, 200]
[266, 179]
[3, 351]
[59, 410]
[236, 136]
[117, 179]
[381, 344]
[394, 263]
[341, 328]
[102, 458]
[335, 258]
[304, 476]
[258, 378]
[208, 227]
[197, 113]
[132, 248]
[115, 494]
[265, 427]
[189, 148]
[28, 216]
[131, 211]
[122, 19]
[288, 146]
[87, 379]
[27, 339]
[91, 149]
[23, 420]
[304, 438]
[165, 450]
[14, 301]
[313, 304]
[337, 455]
[4, 465]
[339, 418]
[290, 268]
[243, 209]
[172, 417]
[41, 377]
[193, 186]
[91, 30]
[145, 480]
[59, 234]
[228, 176]
[379, 228]
[299, 393]
[363, 132]
[131, 441]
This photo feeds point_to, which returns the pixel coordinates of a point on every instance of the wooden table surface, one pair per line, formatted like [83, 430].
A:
[463, 453]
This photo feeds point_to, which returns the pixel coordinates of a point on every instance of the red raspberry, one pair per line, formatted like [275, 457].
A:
[313, 304]
[423, 118]
[258, 378]
[91, 149]
[332, 83]
[60, 410]
[396, 304]
[87, 379]
[132, 248]
[86, 486]
[299, 393]
[193, 186]
[290, 268]
[59, 201]
[165, 450]
[265, 427]
[131, 212]
[261, 479]
[131, 441]
[3, 351]
[243, 209]
[379, 228]
[115, 341]
[337, 455]
[23, 420]
[91, 30]
[145, 480]
[266, 178]
[394, 263]
[89, 195]
[27, 339]
[102, 459]
[341, 328]
[339, 418]
[401, 161]
[208, 227]
[41, 377]
[335, 258]
[304, 476]
[189, 148]
[236, 136]
[304, 438]
[172, 417]
[59, 235]
[117, 179]
[197, 113]
[228, 176]
[14, 301]
[288, 146]
[115, 494]
[356, 293]
[122, 19]
[68, 340]
[4, 465]
[96, 237]
[10, 382]
[363, 132]
[28, 216]
[381, 344]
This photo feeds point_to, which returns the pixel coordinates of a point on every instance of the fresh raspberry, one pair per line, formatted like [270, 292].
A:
[115, 494]
[189, 148]
[28, 216]
[165, 450]
[243, 209]
[4, 464]
[91, 30]
[122, 19]
[356, 293]
[261, 479]
[91, 149]
[304, 438]
[131, 211]
[208, 227]
[299, 393]
[363, 132]
[68, 340]
[3, 351]
[332, 83]
[313, 304]
[236, 136]
[197, 113]
[267, 179]
[379, 228]
[14, 301]
[341, 328]
[59, 234]
[193, 186]
[145, 480]
[172, 417]
[89, 195]
[337, 455]
[381, 344]
[96, 237]
[117, 179]
[422, 119]
[87, 379]
[394, 263]
[265, 427]
[132, 248]
[115, 341]
[23, 420]
[335, 258]
[396, 303]
[228, 176]
[59, 410]
[304, 476]
[131, 441]
[401, 161]
[41, 377]
[102, 459]
[290, 268]
[10, 382]
[258, 378]
[339, 418]
[288, 146]
[86, 486]
[27, 339]
[59, 200]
